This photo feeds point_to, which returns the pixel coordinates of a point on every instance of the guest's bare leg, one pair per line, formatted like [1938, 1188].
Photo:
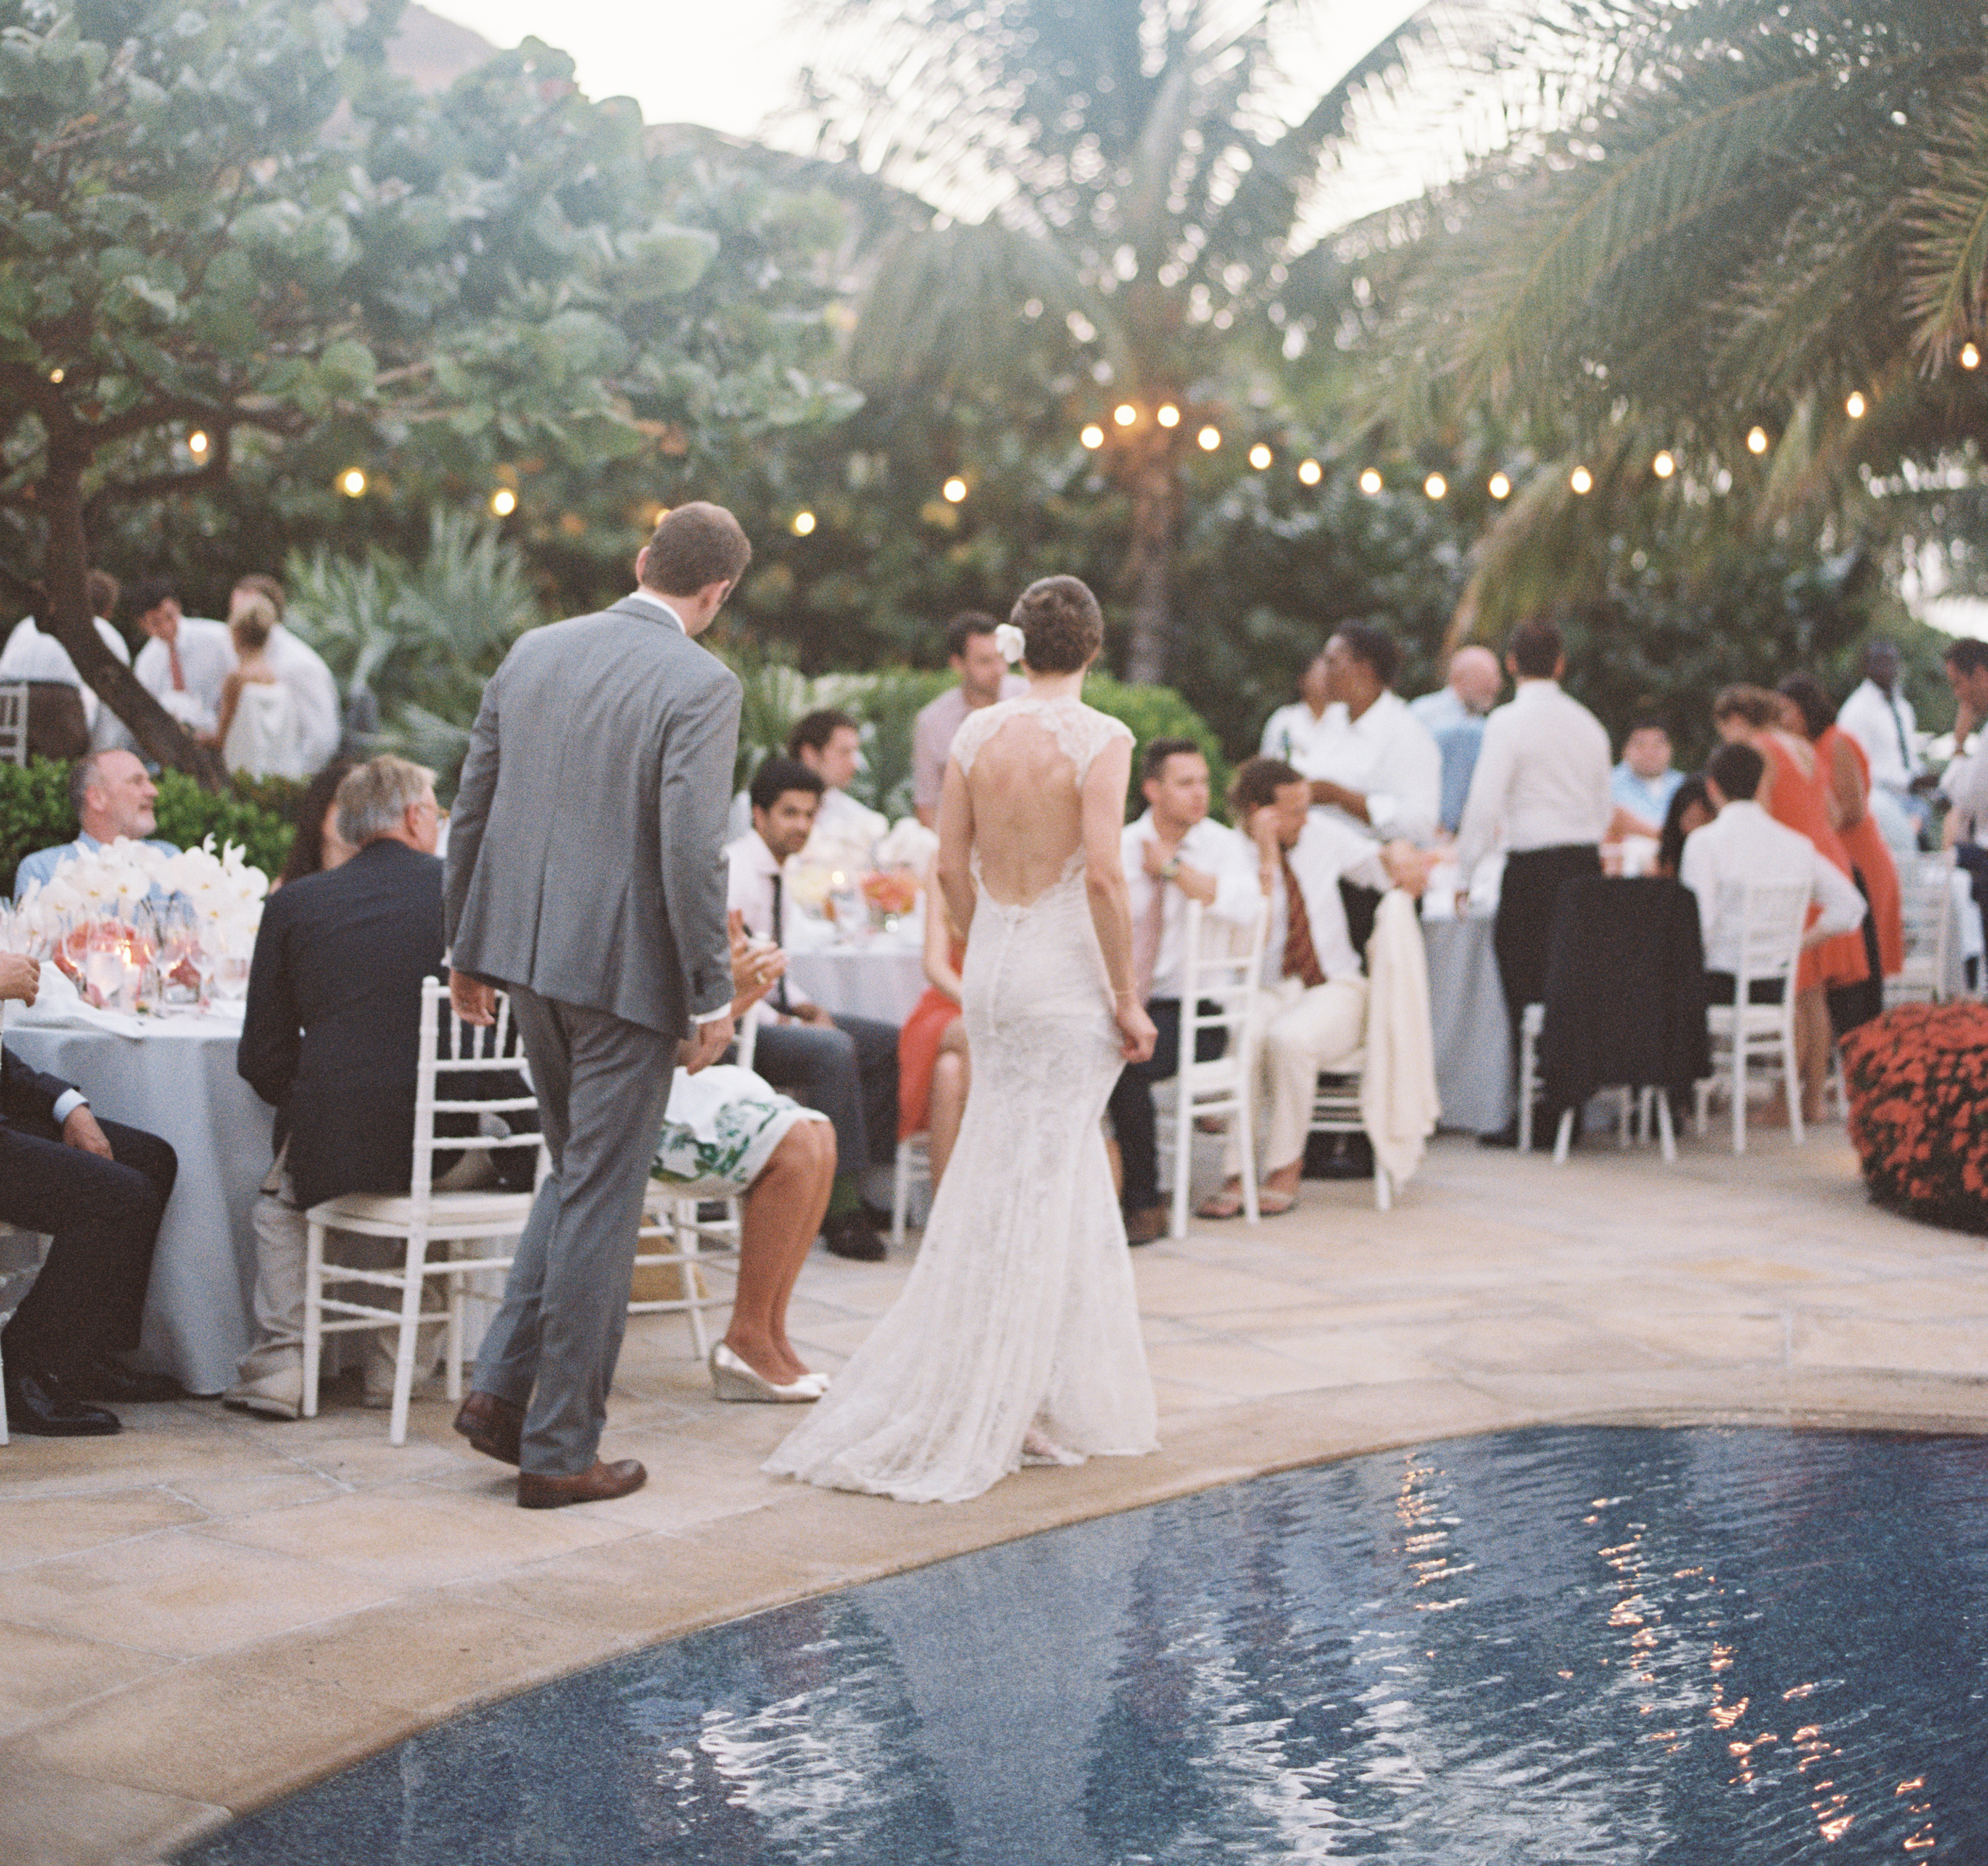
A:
[950, 1075]
[783, 1212]
[1812, 1038]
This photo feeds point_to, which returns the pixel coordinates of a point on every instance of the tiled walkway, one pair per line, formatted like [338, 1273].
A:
[209, 1610]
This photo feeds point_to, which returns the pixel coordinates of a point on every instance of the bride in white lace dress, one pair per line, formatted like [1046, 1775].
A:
[1017, 1338]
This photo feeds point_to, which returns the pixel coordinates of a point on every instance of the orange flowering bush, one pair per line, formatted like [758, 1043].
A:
[1918, 1078]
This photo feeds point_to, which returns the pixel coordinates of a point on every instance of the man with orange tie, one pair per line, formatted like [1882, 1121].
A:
[1311, 1005]
[186, 661]
[1173, 854]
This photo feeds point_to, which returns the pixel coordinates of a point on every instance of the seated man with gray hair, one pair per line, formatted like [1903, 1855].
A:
[113, 795]
[330, 1037]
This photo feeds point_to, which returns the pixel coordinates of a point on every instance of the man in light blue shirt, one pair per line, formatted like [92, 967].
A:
[1644, 783]
[114, 796]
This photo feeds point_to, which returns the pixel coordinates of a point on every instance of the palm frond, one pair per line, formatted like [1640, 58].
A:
[1946, 287]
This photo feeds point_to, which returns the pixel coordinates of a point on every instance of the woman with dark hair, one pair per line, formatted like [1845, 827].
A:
[317, 844]
[1690, 809]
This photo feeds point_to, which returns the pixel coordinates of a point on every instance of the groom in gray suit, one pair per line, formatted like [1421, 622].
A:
[584, 877]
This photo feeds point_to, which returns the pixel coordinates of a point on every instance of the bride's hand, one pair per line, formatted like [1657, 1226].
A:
[1136, 1033]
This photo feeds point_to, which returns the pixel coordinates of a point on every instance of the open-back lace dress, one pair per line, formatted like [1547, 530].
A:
[1019, 1322]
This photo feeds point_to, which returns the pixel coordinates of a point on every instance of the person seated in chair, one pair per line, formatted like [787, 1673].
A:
[1173, 854]
[1742, 845]
[113, 795]
[846, 1066]
[329, 1038]
[98, 1190]
[1311, 1009]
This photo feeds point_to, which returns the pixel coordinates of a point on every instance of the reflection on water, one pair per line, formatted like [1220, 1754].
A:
[1566, 1644]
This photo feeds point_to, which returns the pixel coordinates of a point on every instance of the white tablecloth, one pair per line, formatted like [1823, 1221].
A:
[883, 980]
[176, 1080]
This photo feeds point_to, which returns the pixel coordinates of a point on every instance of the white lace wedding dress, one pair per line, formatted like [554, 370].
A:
[1019, 1322]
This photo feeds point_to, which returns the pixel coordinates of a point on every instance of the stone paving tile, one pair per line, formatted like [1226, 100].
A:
[34, 1529]
[50, 1817]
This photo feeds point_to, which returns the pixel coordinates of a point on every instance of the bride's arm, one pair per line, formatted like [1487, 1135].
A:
[955, 848]
[1104, 886]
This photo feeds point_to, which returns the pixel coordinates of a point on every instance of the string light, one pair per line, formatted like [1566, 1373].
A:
[1124, 415]
[1500, 486]
[1855, 406]
[1092, 436]
[1664, 465]
[352, 482]
[1260, 456]
[1756, 440]
[1210, 438]
[1582, 480]
[1169, 416]
[1436, 485]
[803, 523]
[504, 502]
[1369, 482]
[1970, 357]
[57, 375]
[955, 490]
[1310, 471]
[197, 442]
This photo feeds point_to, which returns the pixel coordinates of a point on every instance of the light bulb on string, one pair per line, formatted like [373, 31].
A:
[503, 502]
[1124, 415]
[1970, 357]
[1582, 481]
[803, 523]
[1856, 406]
[1500, 486]
[352, 482]
[1260, 456]
[1436, 485]
[1665, 464]
[1369, 482]
[1168, 416]
[1311, 472]
[1756, 440]
[1210, 438]
[955, 490]
[57, 375]
[196, 443]
[1092, 436]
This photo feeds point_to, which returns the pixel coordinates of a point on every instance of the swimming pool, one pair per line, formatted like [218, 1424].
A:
[1615, 1645]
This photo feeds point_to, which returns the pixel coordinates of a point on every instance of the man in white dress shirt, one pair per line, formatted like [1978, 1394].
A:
[32, 654]
[1311, 1005]
[188, 660]
[1540, 787]
[313, 690]
[1289, 731]
[1372, 764]
[984, 677]
[846, 832]
[1881, 719]
[845, 1067]
[1965, 783]
[1173, 854]
[1743, 844]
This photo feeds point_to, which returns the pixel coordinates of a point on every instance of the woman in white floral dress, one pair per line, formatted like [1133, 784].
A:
[1016, 1337]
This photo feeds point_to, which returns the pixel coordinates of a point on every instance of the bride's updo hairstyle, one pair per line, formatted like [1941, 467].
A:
[1061, 625]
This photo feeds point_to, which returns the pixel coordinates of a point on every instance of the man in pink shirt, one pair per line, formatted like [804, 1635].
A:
[983, 679]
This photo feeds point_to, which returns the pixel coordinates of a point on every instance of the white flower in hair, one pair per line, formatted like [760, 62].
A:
[1010, 641]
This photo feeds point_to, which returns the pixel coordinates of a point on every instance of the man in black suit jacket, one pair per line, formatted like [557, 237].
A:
[99, 1189]
[330, 1037]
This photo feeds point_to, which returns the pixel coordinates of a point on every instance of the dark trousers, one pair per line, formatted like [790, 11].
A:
[1522, 935]
[102, 1217]
[847, 1071]
[1132, 1103]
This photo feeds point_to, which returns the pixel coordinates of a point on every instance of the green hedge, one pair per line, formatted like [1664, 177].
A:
[35, 813]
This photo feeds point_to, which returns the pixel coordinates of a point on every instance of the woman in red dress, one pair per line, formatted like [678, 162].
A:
[932, 1068]
[1797, 793]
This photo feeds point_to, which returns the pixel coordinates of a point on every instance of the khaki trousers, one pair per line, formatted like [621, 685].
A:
[1299, 1032]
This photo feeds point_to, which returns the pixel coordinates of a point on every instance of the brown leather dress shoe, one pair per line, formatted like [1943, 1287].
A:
[548, 1490]
[493, 1425]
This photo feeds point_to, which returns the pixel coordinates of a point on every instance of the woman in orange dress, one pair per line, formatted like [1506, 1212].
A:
[1798, 795]
[1849, 775]
[932, 1068]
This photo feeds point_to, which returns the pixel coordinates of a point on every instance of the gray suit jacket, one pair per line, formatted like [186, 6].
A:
[584, 848]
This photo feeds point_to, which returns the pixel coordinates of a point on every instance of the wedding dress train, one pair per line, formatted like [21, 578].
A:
[1017, 1333]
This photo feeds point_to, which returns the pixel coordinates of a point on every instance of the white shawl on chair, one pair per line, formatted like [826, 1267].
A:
[1398, 1098]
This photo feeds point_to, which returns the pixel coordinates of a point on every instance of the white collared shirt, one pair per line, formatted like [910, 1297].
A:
[32, 654]
[1885, 726]
[1743, 844]
[1325, 851]
[1387, 755]
[1542, 777]
[207, 658]
[845, 832]
[749, 892]
[1289, 731]
[638, 594]
[1214, 850]
[313, 695]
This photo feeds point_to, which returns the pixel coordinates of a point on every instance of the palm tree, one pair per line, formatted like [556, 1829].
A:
[1750, 234]
[1116, 186]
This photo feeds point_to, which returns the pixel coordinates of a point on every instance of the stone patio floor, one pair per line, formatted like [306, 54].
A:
[209, 1610]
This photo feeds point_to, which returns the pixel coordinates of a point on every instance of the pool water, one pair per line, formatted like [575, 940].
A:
[1738, 1646]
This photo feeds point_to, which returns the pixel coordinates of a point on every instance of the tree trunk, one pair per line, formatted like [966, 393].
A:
[64, 574]
[1150, 571]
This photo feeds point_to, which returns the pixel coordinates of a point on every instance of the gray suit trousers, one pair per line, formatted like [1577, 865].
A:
[603, 1085]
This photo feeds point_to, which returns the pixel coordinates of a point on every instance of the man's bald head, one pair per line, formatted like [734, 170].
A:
[1476, 677]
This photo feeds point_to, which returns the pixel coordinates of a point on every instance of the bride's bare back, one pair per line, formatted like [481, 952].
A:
[1028, 813]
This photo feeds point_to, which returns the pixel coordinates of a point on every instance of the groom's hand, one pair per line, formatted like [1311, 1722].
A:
[710, 1043]
[474, 1002]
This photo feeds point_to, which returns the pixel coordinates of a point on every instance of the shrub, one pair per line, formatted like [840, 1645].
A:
[35, 813]
[1917, 1079]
